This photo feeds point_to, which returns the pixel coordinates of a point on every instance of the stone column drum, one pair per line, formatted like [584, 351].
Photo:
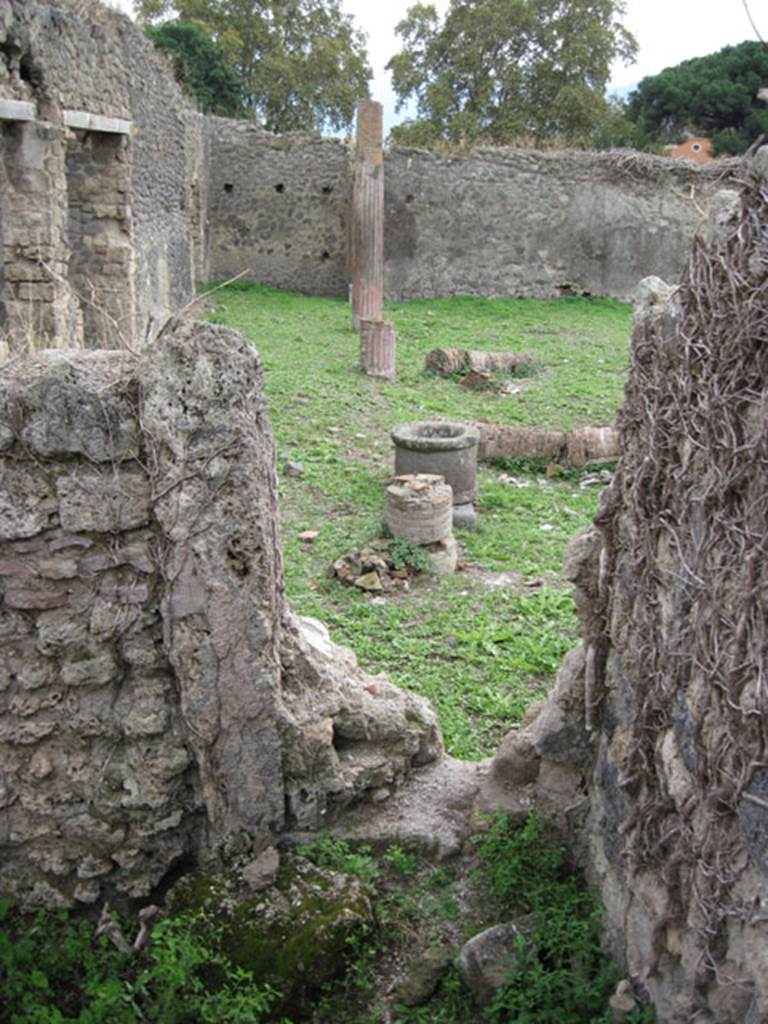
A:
[446, 448]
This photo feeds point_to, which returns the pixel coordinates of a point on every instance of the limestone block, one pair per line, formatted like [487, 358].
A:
[35, 599]
[423, 975]
[485, 961]
[17, 110]
[261, 873]
[60, 631]
[27, 503]
[57, 568]
[70, 406]
[22, 664]
[90, 671]
[103, 502]
[26, 733]
[143, 711]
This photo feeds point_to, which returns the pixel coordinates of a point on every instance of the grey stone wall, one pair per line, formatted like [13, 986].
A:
[277, 207]
[85, 57]
[156, 694]
[538, 225]
[676, 612]
[495, 222]
[101, 264]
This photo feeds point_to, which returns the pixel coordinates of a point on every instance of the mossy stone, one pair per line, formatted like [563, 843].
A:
[295, 935]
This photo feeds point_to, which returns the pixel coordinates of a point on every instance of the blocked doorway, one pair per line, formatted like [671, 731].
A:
[102, 262]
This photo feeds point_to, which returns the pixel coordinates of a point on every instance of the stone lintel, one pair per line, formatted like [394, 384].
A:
[17, 110]
[96, 122]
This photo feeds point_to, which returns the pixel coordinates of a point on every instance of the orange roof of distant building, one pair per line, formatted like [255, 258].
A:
[699, 149]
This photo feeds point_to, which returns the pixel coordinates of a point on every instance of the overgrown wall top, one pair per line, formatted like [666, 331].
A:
[676, 634]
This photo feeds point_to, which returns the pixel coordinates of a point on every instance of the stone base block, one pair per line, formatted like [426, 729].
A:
[464, 516]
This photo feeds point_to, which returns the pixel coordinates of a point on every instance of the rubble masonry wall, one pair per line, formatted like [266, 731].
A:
[157, 697]
[90, 59]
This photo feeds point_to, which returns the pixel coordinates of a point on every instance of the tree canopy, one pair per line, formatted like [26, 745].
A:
[497, 70]
[302, 63]
[200, 67]
[716, 95]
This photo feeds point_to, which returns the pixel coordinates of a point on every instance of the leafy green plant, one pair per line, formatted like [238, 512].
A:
[560, 975]
[338, 855]
[452, 1004]
[54, 970]
[405, 554]
[403, 862]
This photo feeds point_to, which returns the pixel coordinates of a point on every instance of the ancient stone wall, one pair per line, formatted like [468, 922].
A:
[678, 824]
[538, 225]
[156, 694]
[278, 208]
[652, 752]
[496, 222]
[78, 76]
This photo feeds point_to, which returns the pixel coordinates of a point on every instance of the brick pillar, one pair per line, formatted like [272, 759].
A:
[367, 240]
[377, 348]
[40, 309]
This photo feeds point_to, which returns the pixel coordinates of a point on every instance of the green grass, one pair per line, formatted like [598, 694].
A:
[510, 872]
[480, 653]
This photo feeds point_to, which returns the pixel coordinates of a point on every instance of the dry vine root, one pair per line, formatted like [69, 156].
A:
[108, 926]
[686, 531]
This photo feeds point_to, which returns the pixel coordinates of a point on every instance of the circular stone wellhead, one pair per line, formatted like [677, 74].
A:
[445, 447]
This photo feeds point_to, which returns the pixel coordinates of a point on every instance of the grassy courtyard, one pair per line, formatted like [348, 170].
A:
[485, 642]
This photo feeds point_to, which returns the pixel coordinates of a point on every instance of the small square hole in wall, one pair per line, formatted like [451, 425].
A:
[280, 188]
[228, 186]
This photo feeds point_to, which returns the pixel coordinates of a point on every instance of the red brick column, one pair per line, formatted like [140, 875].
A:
[367, 238]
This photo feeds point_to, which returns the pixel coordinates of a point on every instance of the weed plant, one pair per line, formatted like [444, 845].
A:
[559, 974]
[55, 970]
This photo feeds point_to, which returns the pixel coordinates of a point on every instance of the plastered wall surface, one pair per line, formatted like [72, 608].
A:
[278, 208]
[537, 225]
